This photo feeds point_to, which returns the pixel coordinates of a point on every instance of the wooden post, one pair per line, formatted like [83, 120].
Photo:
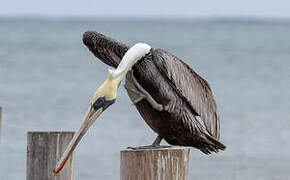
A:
[155, 164]
[43, 151]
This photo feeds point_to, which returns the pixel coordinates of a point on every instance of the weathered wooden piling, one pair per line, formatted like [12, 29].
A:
[155, 164]
[44, 149]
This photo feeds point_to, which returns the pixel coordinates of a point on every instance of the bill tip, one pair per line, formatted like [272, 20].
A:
[54, 173]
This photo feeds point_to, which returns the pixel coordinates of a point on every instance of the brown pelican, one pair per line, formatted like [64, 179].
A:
[168, 94]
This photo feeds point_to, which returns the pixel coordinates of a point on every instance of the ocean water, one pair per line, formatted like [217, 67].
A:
[47, 77]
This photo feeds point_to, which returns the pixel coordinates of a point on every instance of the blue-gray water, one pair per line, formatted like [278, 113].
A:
[47, 77]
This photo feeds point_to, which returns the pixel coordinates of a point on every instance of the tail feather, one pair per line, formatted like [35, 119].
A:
[210, 144]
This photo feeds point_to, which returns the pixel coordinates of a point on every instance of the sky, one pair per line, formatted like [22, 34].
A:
[148, 8]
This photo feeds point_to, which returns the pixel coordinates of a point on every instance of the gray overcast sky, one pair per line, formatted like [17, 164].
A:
[152, 8]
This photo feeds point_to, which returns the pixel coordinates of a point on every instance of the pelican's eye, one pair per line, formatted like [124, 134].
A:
[99, 103]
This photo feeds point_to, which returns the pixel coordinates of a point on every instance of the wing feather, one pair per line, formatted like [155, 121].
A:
[191, 87]
[107, 49]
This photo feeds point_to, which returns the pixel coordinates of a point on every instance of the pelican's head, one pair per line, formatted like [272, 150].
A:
[104, 96]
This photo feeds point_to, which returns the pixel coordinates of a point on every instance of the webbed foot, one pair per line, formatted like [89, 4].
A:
[154, 145]
[148, 147]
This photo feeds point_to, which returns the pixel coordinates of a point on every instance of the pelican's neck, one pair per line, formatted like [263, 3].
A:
[134, 54]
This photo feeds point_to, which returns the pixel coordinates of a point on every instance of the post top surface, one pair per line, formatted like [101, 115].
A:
[162, 148]
[49, 132]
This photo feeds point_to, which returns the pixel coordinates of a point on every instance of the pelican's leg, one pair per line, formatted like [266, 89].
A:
[155, 145]
[157, 141]
[139, 92]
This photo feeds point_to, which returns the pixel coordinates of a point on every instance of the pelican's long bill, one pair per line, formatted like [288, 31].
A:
[91, 116]
[104, 97]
